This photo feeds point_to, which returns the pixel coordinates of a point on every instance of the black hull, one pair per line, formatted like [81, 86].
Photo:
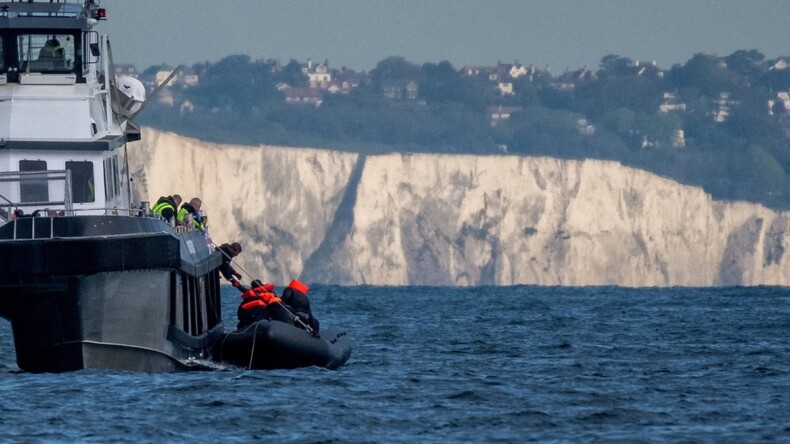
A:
[108, 292]
[276, 345]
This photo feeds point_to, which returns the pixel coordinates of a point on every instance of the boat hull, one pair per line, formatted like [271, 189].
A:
[112, 299]
[277, 345]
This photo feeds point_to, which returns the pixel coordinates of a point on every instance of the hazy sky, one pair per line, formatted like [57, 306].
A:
[358, 33]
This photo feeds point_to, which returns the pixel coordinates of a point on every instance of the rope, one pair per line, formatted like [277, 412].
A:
[231, 260]
[299, 320]
[252, 349]
[285, 307]
[222, 345]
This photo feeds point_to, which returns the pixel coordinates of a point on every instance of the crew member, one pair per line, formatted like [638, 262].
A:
[295, 297]
[189, 213]
[259, 303]
[51, 55]
[166, 206]
[229, 251]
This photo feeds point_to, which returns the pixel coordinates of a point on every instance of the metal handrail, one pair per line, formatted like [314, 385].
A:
[132, 212]
[109, 211]
[59, 212]
[5, 199]
[47, 176]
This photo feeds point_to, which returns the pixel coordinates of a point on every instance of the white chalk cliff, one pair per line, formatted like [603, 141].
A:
[437, 219]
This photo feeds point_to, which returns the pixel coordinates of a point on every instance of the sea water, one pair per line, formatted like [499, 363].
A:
[492, 364]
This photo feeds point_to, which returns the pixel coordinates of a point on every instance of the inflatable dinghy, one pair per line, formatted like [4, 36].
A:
[277, 345]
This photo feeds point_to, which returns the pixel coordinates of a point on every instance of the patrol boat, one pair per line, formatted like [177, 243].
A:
[87, 280]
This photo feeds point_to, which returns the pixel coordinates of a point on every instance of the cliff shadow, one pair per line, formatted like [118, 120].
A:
[327, 263]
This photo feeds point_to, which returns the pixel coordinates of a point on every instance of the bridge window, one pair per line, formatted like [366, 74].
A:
[82, 183]
[46, 53]
[34, 187]
[112, 186]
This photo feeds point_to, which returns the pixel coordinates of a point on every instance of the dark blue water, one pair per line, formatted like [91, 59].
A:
[459, 365]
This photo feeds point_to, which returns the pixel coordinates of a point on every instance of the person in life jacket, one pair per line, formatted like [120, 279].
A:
[295, 297]
[229, 251]
[51, 54]
[189, 213]
[166, 207]
[258, 303]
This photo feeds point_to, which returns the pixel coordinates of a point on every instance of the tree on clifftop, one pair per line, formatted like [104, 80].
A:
[615, 66]
[394, 68]
[705, 73]
[235, 83]
[292, 75]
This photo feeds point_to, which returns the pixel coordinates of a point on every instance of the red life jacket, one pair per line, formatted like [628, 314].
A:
[262, 296]
[299, 286]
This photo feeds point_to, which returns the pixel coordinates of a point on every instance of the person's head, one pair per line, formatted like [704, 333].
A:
[51, 48]
[177, 199]
[235, 249]
[196, 203]
[256, 283]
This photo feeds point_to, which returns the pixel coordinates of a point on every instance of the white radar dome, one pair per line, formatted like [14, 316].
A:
[134, 91]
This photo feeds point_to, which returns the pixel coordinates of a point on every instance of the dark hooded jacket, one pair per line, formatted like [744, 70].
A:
[299, 304]
[226, 269]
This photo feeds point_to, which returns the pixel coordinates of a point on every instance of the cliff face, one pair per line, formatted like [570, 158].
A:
[278, 202]
[398, 219]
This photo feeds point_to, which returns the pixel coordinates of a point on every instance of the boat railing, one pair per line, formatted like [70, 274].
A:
[24, 192]
[28, 195]
[46, 217]
[48, 194]
[75, 9]
[41, 223]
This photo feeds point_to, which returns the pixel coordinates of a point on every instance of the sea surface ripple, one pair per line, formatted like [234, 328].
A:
[438, 364]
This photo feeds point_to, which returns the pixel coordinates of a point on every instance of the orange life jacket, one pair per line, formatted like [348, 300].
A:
[299, 286]
[262, 296]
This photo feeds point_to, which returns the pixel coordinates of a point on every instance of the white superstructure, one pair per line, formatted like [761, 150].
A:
[63, 121]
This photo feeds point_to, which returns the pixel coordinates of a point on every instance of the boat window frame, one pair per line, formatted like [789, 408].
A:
[34, 188]
[90, 38]
[112, 186]
[13, 65]
[83, 187]
[36, 55]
